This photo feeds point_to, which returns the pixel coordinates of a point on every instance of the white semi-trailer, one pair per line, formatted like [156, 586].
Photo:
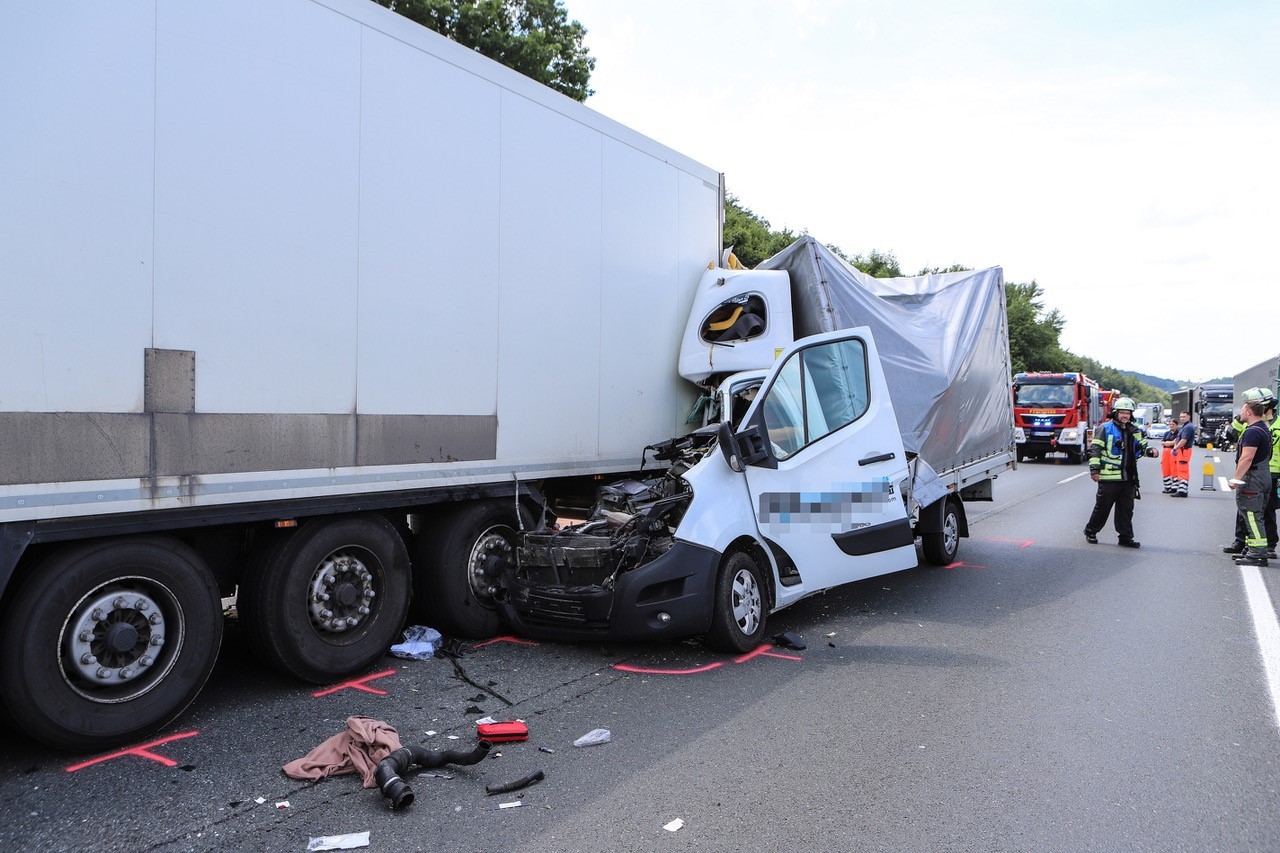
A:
[288, 289]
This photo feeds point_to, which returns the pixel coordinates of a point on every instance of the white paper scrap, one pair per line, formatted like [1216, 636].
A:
[350, 841]
[674, 825]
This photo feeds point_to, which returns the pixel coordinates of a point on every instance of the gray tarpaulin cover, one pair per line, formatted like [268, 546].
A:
[943, 341]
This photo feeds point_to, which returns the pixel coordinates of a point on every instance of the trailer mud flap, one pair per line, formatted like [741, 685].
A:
[15, 536]
[875, 538]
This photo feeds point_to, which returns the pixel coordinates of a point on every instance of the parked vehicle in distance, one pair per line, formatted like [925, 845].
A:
[1157, 431]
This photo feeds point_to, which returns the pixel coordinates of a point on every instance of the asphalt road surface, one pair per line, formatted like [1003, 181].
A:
[1042, 694]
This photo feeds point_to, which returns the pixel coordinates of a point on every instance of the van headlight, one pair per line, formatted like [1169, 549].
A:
[1018, 435]
[1070, 436]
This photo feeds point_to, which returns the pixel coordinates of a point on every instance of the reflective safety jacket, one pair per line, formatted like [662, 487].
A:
[1275, 446]
[1109, 457]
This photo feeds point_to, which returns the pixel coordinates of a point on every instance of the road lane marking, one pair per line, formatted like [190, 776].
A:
[1074, 477]
[1267, 629]
[1222, 484]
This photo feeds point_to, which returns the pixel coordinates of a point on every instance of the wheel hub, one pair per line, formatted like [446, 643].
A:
[747, 605]
[115, 637]
[490, 556]
[341, 592]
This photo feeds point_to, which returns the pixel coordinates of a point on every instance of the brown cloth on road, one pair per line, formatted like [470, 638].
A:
[356, 750]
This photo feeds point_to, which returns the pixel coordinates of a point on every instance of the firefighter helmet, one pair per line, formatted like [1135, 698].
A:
[1260, 395]
[1124, 404]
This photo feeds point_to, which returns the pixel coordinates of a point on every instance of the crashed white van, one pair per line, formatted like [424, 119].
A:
[847, 417]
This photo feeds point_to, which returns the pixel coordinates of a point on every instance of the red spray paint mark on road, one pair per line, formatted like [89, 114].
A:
[142, 751]
[765, 651]
[960, 564]
[628, 668]
[1022, 543]
[515, 640]
[357, 684]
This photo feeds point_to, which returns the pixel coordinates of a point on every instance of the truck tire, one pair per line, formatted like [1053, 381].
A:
[739, 609]
[457, 559]
[328, 599]
[1074, 456]
[941, 548]
[108, 641]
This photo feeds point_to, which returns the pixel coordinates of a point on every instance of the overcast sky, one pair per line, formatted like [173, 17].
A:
[1125, 155]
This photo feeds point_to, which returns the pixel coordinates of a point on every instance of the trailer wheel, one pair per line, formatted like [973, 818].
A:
[739, 611]
[459, 557]
[108, 641]
[328, 599]
[941, 548]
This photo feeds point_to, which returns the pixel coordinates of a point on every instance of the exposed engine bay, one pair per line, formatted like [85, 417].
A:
[633, 522]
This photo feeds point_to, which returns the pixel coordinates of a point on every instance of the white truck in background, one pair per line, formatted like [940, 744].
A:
[287, 289]
[1264, 374]
[852, 416]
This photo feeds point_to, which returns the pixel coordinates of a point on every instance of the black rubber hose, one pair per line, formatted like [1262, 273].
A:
[524, 782]
[389, 769]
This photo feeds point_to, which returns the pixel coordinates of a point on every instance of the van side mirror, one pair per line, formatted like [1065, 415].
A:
[728, 447]
[743, 448]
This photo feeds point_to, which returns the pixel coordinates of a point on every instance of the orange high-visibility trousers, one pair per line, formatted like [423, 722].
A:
[1182, 471]
[1168, 468]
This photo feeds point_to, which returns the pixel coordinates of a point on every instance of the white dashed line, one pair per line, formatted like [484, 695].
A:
[1267, 629]
[1074, 477]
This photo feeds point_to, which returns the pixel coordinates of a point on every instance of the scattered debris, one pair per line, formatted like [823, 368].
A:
[789, 640]
[260, 800]
[395, 789]
[485, 721]
[504, 732]
[420, 643]
[674, 825]
[350, 841]
[547, 750]
[593, 737]
[283, 804]
[523, 782]
[511, 805]
[356, 749]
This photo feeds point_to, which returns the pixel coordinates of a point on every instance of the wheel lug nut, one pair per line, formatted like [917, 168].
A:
[352, 621]
[327, 614]
[86, 636]
[145, 660]
[103, 672]
[127, 672]
[141, 605]
[157, 640]
[88, 659]
[97, 615]
[155, 618]
[120, 603]
[363, 611]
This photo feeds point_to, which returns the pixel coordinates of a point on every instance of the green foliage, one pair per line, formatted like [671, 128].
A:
[534, 37]
[877, 263]
[1033, 332]
[750, 235]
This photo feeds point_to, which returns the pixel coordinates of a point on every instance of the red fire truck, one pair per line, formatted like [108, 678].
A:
[1056, 413]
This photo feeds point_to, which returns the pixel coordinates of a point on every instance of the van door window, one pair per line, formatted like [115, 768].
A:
[819, 390]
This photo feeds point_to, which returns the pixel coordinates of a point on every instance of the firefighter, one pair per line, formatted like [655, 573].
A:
[1113, 465]
[1237, 427]
[1252, 478]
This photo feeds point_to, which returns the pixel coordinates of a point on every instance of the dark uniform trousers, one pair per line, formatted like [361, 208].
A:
[1118, 494]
